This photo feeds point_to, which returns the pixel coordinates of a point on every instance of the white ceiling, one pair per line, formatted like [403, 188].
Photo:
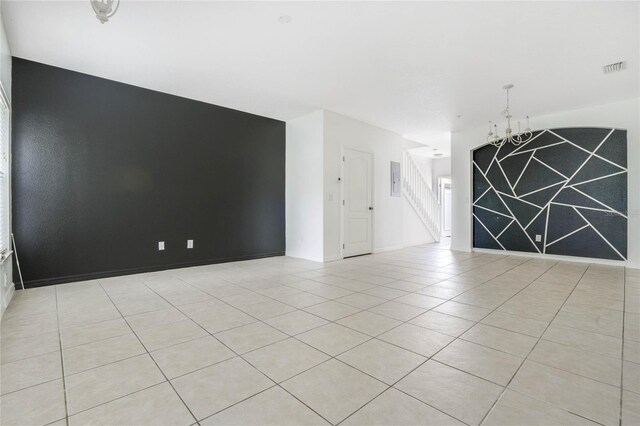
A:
[410, 67]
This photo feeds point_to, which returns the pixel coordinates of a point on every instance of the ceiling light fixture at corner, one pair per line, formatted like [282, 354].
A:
[285, 19]
[104, 9]
[509, 137]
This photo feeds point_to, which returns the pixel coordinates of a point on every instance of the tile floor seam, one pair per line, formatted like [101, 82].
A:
[151, 357]
[30, 336]
[533, 348]
[105, 364]
[499, 328]
[241, 357]
[573, 372]
[406, 322]
[477, 322]
[385, 285]
[441, 349]
[588, 331]
[624, 306]
[296, 309]
[239, 402]
[95, 341]
[116, 399]
[331, 357]
[30, 357]
[64, 381]
[31, 386]
[547, 403]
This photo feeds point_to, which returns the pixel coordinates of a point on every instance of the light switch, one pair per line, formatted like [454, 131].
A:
[160, 245]
[330, 197]
[189, 244]
[538, 238]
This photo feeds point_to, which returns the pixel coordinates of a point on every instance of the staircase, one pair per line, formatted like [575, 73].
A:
[420, 196]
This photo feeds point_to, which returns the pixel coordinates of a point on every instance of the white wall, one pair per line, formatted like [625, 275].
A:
[440, 167]
[388, 212]
[622, 115]
[315, 144]
[413, 230]
[6, 280]
[303, 193]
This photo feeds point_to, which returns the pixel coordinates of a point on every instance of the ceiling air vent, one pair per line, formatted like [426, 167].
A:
[615, 67]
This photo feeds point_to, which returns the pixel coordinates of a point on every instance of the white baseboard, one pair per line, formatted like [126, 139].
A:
[399, 247]
[313, 259]
[389, 248]
[552, 257]
[332, 258]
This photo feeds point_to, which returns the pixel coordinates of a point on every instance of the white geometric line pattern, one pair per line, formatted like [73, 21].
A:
[565, 186]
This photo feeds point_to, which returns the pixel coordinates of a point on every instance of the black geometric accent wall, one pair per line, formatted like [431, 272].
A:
[564, 192]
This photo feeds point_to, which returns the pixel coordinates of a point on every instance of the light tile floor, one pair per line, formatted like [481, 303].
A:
[417, 336]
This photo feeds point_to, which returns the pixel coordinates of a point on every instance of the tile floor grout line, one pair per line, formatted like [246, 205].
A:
[374, 286]
[32, 386]
[330, 358]
[105, 364]
[239, 355]
[64, 380]
[453, 340]
[236, 353]
[116, 399]
[624, 308]
[334, 321]
[30, 357]
[533, 348]
[591, 331]
[479, 322]
[149, 355]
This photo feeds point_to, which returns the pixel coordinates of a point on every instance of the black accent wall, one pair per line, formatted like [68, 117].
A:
[567, 186]
[102, 171]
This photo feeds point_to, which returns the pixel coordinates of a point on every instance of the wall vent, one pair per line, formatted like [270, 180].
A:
[615, 67]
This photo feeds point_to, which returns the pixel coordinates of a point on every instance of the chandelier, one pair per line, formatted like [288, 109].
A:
[509, 137]
[104, 9]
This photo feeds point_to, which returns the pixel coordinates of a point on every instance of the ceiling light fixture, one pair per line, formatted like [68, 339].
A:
[509, 137]
[104, 9]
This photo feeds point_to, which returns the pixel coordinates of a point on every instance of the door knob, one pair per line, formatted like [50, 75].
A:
[370, 208]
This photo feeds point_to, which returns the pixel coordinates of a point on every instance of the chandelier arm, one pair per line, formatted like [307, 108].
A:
[113, 12]
[517, 140]
[93, 6]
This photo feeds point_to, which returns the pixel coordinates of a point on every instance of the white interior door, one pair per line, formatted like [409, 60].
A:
[358, 210]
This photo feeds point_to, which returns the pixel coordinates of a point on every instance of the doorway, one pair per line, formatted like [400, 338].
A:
[357, 210]
[444, 186]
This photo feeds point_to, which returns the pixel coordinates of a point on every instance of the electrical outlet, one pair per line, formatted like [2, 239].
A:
[189, 244]
[538, 238]
[160, 245]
